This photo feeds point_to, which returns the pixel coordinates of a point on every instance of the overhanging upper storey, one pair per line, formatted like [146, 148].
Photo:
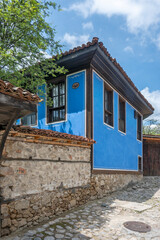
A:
[95, 55]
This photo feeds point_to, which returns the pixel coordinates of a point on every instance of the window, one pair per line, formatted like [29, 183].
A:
[122, 115]
[108, 105]
[139, 127]
[29, 120]
[57, 112]
[140, 166]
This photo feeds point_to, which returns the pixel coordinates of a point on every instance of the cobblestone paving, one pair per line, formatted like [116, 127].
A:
[103, 219]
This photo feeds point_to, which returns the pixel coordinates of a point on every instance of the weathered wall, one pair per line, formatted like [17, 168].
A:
[39, 180]
[46, 167]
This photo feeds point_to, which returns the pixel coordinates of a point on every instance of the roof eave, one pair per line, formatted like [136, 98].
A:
[75, 60]
[9, 104]
[78, 60]
[148, 109]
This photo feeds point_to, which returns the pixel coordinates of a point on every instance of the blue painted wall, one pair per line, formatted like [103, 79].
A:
[75, 122]
[113, 150]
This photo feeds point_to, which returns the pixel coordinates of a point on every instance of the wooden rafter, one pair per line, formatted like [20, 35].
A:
[32, 138]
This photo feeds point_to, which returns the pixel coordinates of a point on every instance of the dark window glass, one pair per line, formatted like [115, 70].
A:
[139, 127]
[140, 168]
[122, 115]
[29, 120]
[57, 111]
[108, 105]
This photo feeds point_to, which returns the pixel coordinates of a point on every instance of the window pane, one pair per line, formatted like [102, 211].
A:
[62, 88]
[139, 128]
[55, 102]
[121, 125]
[62, 114]
[106, 99]
[110, 100]
[55, 115]
[108, 106]
[62, 100]
[109, 119]
[29, 119]
[33, 119]
[139, 123]
[55, 90]
[140, 164]
[24, 121]
[106, 118]
[139, 135]
[122, 115]
[57, 111]
[122, 110]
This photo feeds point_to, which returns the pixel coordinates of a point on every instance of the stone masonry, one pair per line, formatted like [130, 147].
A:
[104, 219]
[38, 181]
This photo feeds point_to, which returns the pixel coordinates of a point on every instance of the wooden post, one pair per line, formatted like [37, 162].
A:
[5, 134]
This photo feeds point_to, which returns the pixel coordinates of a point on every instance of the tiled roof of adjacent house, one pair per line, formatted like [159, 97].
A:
[17, 92]
[50, 133]
[113, 60]
[145, 136]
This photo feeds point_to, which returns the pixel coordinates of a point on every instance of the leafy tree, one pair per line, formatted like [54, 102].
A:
[25, 36]
[152, 127]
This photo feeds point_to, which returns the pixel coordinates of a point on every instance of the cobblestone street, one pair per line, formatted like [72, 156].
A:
[104, 218]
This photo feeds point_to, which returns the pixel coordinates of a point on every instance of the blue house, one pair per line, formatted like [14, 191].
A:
[97, 99]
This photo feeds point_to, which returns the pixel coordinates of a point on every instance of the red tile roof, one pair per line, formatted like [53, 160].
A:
[113, 60]
[16, 92]
[50, 133]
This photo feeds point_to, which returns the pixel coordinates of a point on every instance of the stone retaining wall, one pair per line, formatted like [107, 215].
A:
[38, 181]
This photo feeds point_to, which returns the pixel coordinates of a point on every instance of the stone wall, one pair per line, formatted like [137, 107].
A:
[38, 181]
[46, 167]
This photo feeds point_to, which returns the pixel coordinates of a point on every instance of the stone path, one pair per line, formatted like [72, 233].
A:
[103, 219]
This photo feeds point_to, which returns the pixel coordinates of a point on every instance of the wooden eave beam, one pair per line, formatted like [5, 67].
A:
[152, 139]
[73, 144]
[15, 103]
[50, 140]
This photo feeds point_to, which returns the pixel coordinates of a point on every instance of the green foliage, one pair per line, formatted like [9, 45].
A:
[25, 36]
[152, 127]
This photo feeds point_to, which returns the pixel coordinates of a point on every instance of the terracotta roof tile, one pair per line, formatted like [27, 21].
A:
[17, 92]
[113, 60]
[50, 133]
[151, 136]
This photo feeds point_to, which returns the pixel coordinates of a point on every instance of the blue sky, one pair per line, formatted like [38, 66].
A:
[129, 29]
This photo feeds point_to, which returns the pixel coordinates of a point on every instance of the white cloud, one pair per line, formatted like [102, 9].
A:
[154, 99]
[46, 55]
[88, 26]
[157, 41]
[74, 40]
[129, 49]
[140, 15]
